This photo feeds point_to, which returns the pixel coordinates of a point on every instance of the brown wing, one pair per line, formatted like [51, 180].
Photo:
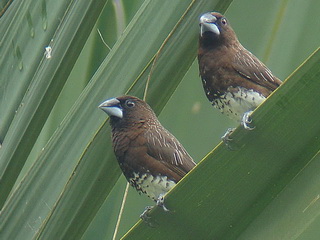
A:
[167, 150]
[250, 67]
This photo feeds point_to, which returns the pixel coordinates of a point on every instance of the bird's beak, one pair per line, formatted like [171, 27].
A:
[208, 24]
[112, 107]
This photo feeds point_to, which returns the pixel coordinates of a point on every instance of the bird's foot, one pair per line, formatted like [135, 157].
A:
[227, 139]
[146, 218]
[160, 202]
[144, 215]
[246, 120]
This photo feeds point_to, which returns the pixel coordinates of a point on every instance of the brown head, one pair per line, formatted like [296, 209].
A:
[126, 111]
[215, 30]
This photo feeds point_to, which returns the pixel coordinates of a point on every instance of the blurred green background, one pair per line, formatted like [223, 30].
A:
[260, 26]
[281, 33]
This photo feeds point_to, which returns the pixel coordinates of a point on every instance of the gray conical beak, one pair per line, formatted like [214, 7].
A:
[112, 107]
[208, 24]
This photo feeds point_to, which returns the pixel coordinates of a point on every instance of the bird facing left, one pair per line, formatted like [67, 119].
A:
[234, 80]
[150, 157]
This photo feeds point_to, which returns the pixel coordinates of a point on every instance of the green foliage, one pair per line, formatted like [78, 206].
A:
[69, 186]
[229, 189]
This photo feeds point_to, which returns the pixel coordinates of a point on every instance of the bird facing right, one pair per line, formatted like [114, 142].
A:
[234, 80]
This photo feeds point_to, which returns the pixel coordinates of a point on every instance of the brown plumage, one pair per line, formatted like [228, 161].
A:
[151, 158]
[234, 80]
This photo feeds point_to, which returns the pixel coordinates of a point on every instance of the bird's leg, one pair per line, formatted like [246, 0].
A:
[246, 119]
[226, 137]
[160, 202]
[144, 215]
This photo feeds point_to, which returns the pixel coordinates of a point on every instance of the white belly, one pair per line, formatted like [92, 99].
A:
[152, 186]
[235, 104]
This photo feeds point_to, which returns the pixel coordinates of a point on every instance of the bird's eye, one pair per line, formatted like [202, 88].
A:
[223, 21]
[129, 103]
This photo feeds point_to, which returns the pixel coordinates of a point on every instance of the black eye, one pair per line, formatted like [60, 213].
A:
[223, 21]
[129, 103]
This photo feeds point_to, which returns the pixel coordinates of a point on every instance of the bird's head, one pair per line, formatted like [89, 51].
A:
[215, 28]
[127, 110]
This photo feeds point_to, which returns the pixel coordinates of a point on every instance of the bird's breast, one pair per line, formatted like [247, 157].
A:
[123, 140]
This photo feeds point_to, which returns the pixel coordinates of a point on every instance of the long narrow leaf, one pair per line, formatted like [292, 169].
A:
[170, 76]
[229, 189]
[47, 179]
[46, 85]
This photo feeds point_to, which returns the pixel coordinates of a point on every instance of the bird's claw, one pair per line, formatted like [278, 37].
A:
[246, 120]
[144, 215]
[226, 137]
[160, 203]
